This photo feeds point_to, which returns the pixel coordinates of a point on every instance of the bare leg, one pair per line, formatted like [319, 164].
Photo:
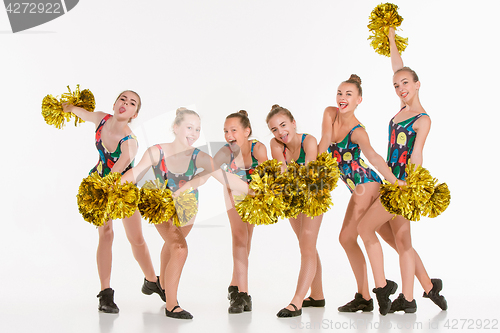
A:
[308, 235]
[361, 199]
[385, 232]
[401, 230]
[133, 230]
[177, 247]
[104, 254]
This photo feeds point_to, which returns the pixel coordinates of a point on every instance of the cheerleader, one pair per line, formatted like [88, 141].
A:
[240, 156]
[408, 131]
[288, 145]
[117, 148]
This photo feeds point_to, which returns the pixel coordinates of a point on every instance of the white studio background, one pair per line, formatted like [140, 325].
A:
[218, 57]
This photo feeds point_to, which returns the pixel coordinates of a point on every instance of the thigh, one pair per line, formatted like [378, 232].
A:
[374, 217]
[170, 233]
[361, 199]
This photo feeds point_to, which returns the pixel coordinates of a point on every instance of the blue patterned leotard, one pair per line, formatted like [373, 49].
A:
[244, 174]
[108, 159]
[175, 180]
[401, 141]
[302, 156]
[353, 169]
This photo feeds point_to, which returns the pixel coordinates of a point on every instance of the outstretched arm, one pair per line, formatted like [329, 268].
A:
[150, 157]
[94, 117]
[360, 137]
[327, 129]
[396, 60]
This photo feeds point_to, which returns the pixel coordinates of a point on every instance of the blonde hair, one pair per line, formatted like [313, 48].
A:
[276, 109]
[180, 113]
[356, 80]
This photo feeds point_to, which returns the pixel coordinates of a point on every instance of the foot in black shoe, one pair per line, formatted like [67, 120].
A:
[106, 301]
[240, 302]
[178, 315]
[312, 302]
[358, 303]
[401, 304]
[439, 300]
[149, 287]
[285, 313]
[384, 303]
[232, 290]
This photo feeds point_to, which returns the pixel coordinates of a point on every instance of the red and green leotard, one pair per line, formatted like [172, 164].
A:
[244, 174]
[108, 159]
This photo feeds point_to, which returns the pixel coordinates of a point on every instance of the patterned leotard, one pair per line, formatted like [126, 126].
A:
[401, 141]
[107, 159]
[175, 180]
[353, 170]
[244, 174]
[302, 156]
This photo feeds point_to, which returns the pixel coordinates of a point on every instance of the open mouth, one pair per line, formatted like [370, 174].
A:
[190, 141]
[343, 105]
[122, 110]
[404, 94]
[284, 138]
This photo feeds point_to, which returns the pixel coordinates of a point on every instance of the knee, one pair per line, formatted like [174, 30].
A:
[179, 250]
[403, 244]
[136, 240]
[347, 240]
[240, 239]
[106, 234]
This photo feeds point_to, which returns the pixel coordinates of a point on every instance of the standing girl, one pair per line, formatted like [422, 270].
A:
[408, 131]
[288, 145]
[241, 156]
[117, 148]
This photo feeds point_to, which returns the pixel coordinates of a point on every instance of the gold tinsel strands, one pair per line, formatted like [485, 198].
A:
[320, 178]
[156, 203]
[409, 201]
[122, 198]
[439, 201]
[267, 204]
[293, 191]
[186, 207]
[52, 110]
[382, 18]
[92, 199]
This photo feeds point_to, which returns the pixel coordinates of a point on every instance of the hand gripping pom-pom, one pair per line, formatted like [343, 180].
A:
[320, 178]
[439, 201]
[156, 203]
[52, 110]
[92, 199]
[382, 18]
[409, 201]
[267, 204]
[122, 198]
[186, 207]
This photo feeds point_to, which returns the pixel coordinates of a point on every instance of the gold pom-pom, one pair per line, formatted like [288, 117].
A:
[409, 201]
[439, 201]
[156, 203]
[186, 207]
[293, 191]
[122, 198]
[52, 110]
[267, 204]
[92, 199]
[320, 177]
[382, 18]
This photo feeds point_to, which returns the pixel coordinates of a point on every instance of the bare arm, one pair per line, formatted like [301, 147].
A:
[277, 153]
[422, 126]
[151, 157]
[310, 148]
[396, 60]
[360, 137]
[94, 117]
[327, 129]
[260, 152]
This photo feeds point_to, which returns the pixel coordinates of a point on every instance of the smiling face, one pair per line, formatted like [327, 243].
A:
[127, 105]
[235, 134]
[282, 127]
[188, 130]
[405, 86]
[348, 97]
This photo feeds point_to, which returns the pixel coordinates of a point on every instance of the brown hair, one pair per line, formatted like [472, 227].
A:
[242, 115]
[139, 103]
[356, 80]
[275, 109]
[409, 70]
[180, 113]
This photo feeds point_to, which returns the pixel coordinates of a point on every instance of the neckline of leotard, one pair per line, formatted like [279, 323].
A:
[231, 158]
[130, 136]
[162, 157]
[301, 149]
[402, 121]
[348, 134]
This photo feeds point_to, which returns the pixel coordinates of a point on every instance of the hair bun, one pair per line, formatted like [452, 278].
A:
[355, 78]
[243, 112]
[275, 106]
[179, 110]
